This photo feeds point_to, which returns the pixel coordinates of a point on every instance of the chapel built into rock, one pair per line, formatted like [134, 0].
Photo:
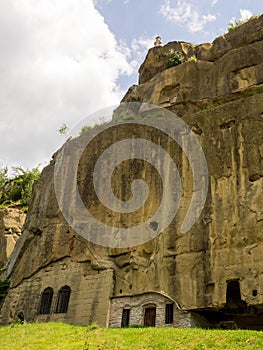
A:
[210, 276]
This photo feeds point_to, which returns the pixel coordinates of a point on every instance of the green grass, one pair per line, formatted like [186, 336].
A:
[66, 337]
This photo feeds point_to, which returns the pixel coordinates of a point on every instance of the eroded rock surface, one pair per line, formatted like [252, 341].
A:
[220, 96]
[11, 223]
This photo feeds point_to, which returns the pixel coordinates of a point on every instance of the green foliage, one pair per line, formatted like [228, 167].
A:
[237, 23]
[192, 59]
[101, 121]
[153, 115]
[3, 176]
[61, 336]
[258, 91]
[84, 129]
[4, 285]
[63, 129]
[92, 327]
[173, 58]
[17, 190]
[28, 178]
[130, 117]
[136, 98]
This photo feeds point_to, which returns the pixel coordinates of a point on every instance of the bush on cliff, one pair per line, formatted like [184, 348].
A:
[16, 190]
[173, 58]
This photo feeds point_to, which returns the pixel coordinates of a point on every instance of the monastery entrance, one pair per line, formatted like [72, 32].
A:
[150, 316]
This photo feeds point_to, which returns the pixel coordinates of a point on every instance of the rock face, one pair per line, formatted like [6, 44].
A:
[11, 223]
[245, 35]
[213, 273]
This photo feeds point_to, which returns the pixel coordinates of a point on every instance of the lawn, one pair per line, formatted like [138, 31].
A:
[60, 336]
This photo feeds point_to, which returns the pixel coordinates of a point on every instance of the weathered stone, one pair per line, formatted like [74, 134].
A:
[11, 223]
[244, 35]
[138, 303]
[220, 98]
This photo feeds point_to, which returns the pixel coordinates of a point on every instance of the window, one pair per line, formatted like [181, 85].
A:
[63, 300]
[46, 301]
[125, 318]
[169, 313]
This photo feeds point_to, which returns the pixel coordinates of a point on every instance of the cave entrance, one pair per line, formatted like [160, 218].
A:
[234, 303]
[236, 313]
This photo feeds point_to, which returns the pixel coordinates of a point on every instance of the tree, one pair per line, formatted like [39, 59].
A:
[63, 129]
[17, 190]
[27, 178]
[3, 176]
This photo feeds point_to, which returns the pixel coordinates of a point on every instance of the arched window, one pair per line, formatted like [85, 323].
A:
[63, 300]
[46, 301]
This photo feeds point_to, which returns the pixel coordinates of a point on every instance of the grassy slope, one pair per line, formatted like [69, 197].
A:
[62, 336]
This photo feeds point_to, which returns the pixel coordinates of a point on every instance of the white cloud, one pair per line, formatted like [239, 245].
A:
[245, 14]
[213, 2]
[101, 2]
[59, 62]
[142, 43]
[97, 2]
[139, 49]
[186, 13]
[136, 50]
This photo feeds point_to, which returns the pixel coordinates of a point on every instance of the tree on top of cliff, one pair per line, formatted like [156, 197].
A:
[16, 191]
[3, 176]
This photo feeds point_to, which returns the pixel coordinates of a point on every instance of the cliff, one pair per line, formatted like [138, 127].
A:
[11, 223]
[220, 97]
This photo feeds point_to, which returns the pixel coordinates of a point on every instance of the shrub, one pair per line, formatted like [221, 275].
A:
[173, 58]
[236, 23]
[136, 98]
[4, 285]
[84, 129]
[192, 59]
[63, 129]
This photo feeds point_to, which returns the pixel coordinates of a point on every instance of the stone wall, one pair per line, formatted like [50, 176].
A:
[137, 305]
[89, 300]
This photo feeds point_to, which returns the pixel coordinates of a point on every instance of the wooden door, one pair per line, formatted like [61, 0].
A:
[125, 318]
[150, 316]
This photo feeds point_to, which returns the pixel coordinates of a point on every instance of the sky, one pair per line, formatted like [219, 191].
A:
[63, 60]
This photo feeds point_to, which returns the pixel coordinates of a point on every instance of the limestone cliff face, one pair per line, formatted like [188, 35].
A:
[11, 223]
[220, 96]
[245, 35]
